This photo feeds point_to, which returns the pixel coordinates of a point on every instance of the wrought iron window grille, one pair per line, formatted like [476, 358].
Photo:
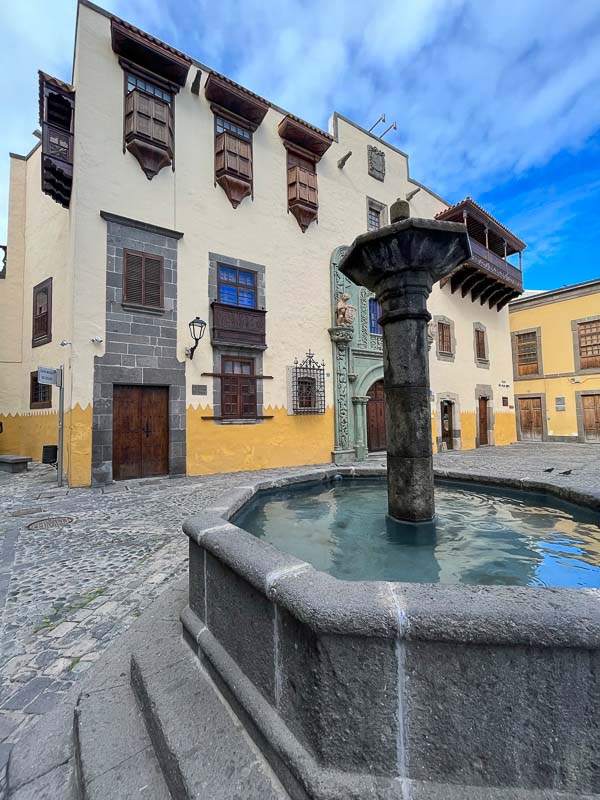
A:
[308, 386]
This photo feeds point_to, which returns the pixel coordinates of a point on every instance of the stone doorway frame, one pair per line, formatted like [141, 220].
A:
[486, 391]
[450, 397]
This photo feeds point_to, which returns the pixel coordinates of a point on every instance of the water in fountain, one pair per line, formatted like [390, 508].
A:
[481, 535]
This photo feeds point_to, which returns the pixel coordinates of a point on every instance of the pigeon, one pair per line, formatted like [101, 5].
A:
[567, 472]
[550, 469]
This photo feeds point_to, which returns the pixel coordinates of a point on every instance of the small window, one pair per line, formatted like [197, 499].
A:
[373, 218]
[40, 394]
[238, 388]
[42, 313]
[589, 344]
[527, 353]
[143, 280]
[374, 314]
[223, 125]
[444, 338]
[480, 348]
[236, 287]
[308, 386]
[133, 82]
[505, 401]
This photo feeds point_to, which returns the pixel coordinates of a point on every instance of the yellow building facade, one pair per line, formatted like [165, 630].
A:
[171, 194]
[556, 363]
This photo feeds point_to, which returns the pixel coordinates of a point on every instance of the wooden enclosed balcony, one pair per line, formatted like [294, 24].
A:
[487, 276]
[57, 106]
[232, 325]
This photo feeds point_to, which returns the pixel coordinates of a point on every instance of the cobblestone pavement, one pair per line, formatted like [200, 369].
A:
[573, 467]
[66, 592]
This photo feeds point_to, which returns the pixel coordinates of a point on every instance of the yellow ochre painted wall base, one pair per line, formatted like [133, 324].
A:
[284, 441]
[26, 434]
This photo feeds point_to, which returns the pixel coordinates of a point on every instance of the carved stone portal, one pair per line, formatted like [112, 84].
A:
[376, 160]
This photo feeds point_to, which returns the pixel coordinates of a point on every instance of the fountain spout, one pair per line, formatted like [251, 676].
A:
[400, 263]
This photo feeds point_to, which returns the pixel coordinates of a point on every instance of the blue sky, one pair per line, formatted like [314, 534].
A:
[498, 99]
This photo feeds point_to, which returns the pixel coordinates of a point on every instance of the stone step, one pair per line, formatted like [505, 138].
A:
[201, 745]
[114, 757]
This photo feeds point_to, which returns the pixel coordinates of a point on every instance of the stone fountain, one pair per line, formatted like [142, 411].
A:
[382, 690]
[400, 263]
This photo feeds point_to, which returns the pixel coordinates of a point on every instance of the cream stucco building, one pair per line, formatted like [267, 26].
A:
[162, 192]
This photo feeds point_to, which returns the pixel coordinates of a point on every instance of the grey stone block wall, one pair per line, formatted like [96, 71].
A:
[140, 345]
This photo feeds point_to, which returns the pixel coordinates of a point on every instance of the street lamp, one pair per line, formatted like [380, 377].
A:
[197, 328]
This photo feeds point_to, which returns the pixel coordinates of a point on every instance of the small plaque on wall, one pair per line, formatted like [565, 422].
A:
[376, 160]
[199, 388]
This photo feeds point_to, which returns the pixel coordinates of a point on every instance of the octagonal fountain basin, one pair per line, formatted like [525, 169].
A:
[371, 662]
[481, 535]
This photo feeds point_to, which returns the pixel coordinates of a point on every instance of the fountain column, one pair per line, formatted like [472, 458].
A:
[400, 263]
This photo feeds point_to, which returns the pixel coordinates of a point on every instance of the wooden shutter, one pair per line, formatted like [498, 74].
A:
[143, 279]
[42, 313]
[302, 186]
[444, 338]
[480, 344]
[152, 281]
[589, 344]
[527, 355]
[233, 156]
[238, 389]
[149, 117]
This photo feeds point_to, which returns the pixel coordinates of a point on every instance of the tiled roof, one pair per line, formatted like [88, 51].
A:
[152, 39]
[468, 201]
[45, 78]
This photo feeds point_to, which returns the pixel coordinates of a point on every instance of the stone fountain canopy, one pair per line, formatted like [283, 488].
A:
[430, 248]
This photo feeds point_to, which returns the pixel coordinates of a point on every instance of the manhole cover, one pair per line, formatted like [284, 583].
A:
[50, 522]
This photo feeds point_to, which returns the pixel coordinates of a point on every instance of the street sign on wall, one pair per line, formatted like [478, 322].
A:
[49, 376]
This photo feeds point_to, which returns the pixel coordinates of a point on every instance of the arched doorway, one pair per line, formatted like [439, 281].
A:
[376, 418]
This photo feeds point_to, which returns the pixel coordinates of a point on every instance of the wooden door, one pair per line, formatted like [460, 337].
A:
[447, 413]
[140, 431]
[376, 439]
[591, 417]
[483, 421]
[530, 417]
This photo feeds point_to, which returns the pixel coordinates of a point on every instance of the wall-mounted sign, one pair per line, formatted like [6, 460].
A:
[49, 376]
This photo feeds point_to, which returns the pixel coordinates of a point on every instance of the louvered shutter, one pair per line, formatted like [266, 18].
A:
[152, 281]
[134, 278]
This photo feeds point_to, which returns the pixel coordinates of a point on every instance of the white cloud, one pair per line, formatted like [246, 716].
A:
[482, 92]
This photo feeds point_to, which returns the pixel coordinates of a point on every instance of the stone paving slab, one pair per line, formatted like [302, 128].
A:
[66, 593]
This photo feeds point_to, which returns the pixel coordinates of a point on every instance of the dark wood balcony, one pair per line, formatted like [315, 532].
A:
[57, 107]
[232, 325]
[487, 276]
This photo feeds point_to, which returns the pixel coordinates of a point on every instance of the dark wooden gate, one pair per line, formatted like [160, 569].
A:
[483, 421]
[591, 417]
[447, 413]
[140, 431]
[530, 418]
[376, 418]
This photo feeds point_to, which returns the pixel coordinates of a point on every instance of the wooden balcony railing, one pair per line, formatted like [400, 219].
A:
[238, 326]
[495, 266]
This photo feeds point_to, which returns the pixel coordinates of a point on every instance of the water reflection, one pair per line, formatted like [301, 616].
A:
[481, 535]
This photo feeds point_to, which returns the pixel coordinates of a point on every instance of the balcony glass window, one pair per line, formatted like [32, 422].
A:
[133, 82]
[237, 287]
[225, 125]
[374, 314]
